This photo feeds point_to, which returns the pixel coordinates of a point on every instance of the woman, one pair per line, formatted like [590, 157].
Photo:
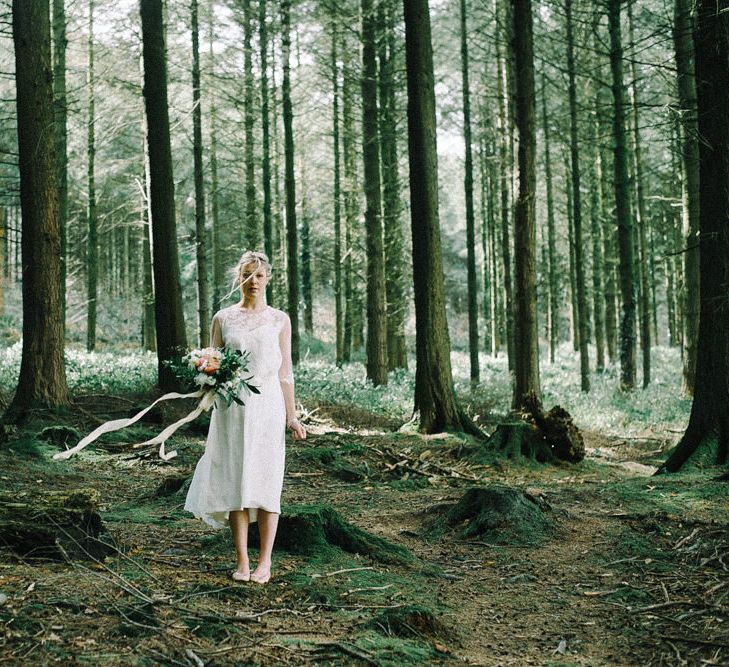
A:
[238, 480]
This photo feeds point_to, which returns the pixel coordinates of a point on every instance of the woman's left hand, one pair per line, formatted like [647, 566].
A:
[297, 429]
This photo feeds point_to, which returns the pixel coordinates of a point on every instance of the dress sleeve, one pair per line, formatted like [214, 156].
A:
[285, 373]
[216, 331]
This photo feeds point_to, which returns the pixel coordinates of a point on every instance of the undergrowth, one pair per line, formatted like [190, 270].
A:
[606, 408]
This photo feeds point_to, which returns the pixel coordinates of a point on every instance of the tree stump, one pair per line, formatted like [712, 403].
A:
[538, 436]
[308, 529]
[410, 621]
[500, 514]
[54, 525]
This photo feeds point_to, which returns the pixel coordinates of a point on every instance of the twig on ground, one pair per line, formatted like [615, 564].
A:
[336, 572]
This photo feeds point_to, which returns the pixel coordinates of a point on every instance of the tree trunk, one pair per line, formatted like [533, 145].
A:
[396, 295]
[609, 236]
[290, 182]
[597, 215]
[582, 322]
[92, 243]
[574, 305]
[496, 282]
[171, 336]
[337, 196]
[487, 221]
[622, 203]
[526, 333]
[684, 48]
[376, 310]
[642, 219]
[252, 237]
[553, 286]
[470, 216]
[60, 102]
[149, 342]
[708, 427]
[350, 200]
[435, 400]
[505, 180]
[307, 295]
[42, 377]
[203, 302]
[215, 231]
[268, 240]
[149, 320]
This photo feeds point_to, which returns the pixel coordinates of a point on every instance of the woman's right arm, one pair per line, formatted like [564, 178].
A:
[216, 332]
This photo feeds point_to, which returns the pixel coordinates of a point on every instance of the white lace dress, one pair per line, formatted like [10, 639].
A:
[243, 463]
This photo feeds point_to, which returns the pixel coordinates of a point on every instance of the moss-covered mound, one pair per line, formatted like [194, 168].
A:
[330, 459]
[499, 514]
[411, 620]
[54, 525]
[308, 529]
[60, 436]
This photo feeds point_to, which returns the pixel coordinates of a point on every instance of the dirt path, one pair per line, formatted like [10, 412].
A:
[635, 574]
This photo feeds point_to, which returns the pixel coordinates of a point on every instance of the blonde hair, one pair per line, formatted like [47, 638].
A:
[260, 259]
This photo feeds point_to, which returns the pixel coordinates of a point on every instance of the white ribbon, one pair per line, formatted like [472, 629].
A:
[208, 398]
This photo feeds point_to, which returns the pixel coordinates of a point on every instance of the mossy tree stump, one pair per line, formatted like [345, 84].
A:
[54, 525]
[538, 436]
[309, 529]
[497, 513]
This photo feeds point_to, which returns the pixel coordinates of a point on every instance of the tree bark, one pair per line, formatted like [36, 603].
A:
[396, 294]
[526, 333]
[252, 236]
[642, 218]
[505, 181]
[622, 203]
[435, 400]
[307, 295]
[350, 201]
[470, 216]
[203, 301]
[337, 195]
[42, 375]
[552, 285]
[686, 84]
[582, 322]
[215, 230]
[376, 309]
[708, 427]
[92, 243]
[60, 42]
[487, 221]
[171, 335]
[290, 181]
[268, 240]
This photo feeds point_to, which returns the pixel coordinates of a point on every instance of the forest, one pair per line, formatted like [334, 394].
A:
[500, 231]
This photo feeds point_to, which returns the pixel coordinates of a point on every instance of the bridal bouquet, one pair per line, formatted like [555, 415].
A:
[224, 372]
[213, 371]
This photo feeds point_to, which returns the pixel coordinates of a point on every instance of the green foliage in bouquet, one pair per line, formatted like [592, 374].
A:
[224, 371]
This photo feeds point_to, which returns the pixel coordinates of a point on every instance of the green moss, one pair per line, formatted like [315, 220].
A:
[500, 514]
[409, 621]
[630, 596]
[311, 529]
[395, 651]
[330, 458]
[29, 447]
[323, 455]
[60, 436]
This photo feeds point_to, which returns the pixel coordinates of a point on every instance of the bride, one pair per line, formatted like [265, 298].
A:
[238, 479]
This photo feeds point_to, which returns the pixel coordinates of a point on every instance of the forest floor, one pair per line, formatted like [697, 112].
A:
[634, 573]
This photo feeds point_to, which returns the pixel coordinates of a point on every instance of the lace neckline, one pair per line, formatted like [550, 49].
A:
[248, 311]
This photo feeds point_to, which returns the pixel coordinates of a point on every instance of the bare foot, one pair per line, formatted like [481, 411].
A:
[242, 573]
[261, 575]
